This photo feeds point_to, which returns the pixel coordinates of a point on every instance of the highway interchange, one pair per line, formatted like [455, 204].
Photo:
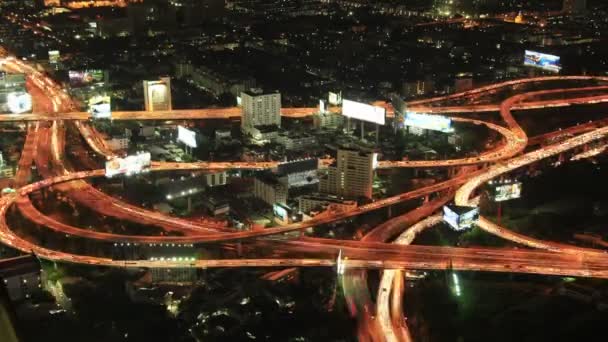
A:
[45, 141]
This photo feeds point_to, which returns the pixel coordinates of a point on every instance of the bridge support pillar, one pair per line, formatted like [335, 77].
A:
[451, 172]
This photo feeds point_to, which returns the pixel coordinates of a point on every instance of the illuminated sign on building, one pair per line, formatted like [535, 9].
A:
[129, 165]
[157, 94]
[19, 102]
[81, 78]
[99, 107]
[280, 211]
[335, 98]
[322, 107]
[53, 56]
[504, 191]
[460, 218]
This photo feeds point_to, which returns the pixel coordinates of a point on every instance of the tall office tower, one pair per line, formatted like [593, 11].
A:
[260, 109]
[575, 6]
[157, 94]
[351, 175]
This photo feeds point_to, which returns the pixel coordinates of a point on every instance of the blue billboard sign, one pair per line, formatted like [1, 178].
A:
[542, 60]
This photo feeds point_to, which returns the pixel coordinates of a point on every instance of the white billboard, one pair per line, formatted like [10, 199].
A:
[19, 102]
[129, 165]
[322, 107]
[99, 107]
[335, 98]
[364, 112]
[432, 122]
[186, 136]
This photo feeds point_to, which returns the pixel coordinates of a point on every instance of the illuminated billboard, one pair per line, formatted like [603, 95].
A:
[504, 191]
[81, 78]
[19, 102]
[53, 56]
[322, 107]
[460, 218]
[157, 94]
[335, 98]
[129, 165]
[363, 112]
[99, 107]
[425, 121]
[280, 211]
[186, 136]
[542, 60]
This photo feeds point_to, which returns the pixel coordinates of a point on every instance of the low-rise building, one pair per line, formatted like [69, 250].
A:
[216, 207]
[268, 188]
[299, 173]
[21, 276]
[292, 141]
[312, 202]
[328, 120]
[216, 178]
[223, 134]
[263, 134]
[118, 143]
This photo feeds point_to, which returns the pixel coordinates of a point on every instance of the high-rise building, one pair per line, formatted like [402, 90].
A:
[574, 6]
[260, 109]
[157, 94]
[351, 175]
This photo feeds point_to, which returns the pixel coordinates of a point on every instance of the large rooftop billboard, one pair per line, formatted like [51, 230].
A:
[82, 78]
[542, 60]
[363, 112]
[425, 121]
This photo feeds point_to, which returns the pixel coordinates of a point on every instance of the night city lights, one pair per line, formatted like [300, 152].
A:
[369, 170]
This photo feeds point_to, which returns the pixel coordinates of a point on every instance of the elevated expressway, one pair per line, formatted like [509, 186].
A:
[514, 136]
[557, 259]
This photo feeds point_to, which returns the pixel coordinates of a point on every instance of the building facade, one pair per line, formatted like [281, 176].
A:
[351, 176]
[21, 276]
[260, 109]
[308, 203]
[157, 94]
[269, 189]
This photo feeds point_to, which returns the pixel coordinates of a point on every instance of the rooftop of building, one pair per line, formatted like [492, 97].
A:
[19, 265]
[259, 92]
[461, 209]
[267, 128]
[268, 177]
[295, 134]
[300, 165]
[327, 198]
